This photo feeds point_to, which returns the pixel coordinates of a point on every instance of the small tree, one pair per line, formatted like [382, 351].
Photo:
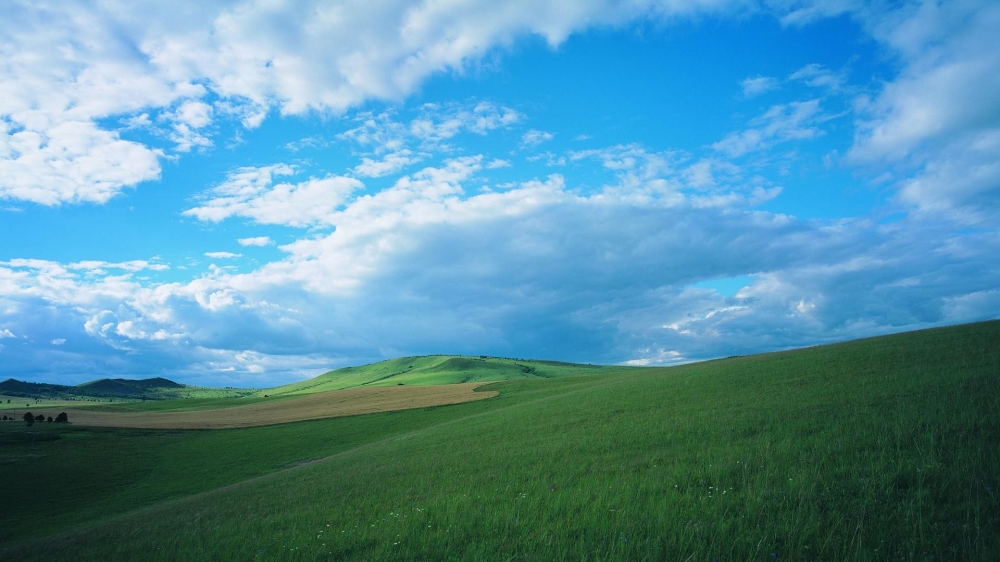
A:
[48, 419]
[40, 418]
[62, 418]
[5, 418]
[28, 418]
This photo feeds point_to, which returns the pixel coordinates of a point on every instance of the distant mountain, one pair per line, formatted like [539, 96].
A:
[128, 387]
[14, 387]
[154, 388]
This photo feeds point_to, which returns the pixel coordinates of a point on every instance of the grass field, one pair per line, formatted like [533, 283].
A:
[19, 404]
[880, 449]
[349, 402]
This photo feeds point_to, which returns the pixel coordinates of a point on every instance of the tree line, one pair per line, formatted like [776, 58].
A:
[30, 418]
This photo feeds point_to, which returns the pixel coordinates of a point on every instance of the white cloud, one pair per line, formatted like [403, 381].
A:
[939, 119]
[255, 241]
[540, 269]
[5, 333]
[535, 137]
[250, 193]
[223, 255]
[67, 66]
[670, 179]
[439, 123]
[188, 121]
[314, 142]
[70, 162]
[543, 268]
[99, 267]
[780, 123]
[388, 164]
[195, 114]
[58, 341]
[801, 13]
[758, 85]
[818, 76]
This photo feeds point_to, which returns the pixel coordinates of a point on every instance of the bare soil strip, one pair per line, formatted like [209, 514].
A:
[349, 402]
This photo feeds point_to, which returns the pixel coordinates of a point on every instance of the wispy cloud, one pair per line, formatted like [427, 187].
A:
[758, 85]
[780, 123]
[255, 241]
[535, 137]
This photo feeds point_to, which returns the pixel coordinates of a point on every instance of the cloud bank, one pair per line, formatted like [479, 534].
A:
[417, 248]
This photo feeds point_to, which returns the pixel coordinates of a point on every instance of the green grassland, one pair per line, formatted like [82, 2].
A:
[438, 369]
[879, 449]
[413, 371]
[19, 404]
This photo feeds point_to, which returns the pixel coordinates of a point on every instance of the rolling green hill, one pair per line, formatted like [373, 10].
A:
[439, 369]
[878, 449]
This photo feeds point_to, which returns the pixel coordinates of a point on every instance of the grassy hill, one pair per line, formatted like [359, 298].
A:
[438, 369]
[879, 449]
[156, 388]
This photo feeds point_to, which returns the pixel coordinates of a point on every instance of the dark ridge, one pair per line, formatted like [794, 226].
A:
[15, 387]
[128, 386]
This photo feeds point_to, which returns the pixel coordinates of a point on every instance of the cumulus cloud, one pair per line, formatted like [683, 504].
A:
[250, 193]
[188, 121]
[423, 267]
[67, 66]
[223, 255]
[546, 267]
[70, 162]
[940, 117]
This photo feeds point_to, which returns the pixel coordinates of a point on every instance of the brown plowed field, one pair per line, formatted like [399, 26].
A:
[347, 402]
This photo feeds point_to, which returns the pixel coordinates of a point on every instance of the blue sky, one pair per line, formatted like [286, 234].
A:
[251, 193]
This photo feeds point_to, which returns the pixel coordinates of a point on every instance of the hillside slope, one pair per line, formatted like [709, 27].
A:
[439, 369]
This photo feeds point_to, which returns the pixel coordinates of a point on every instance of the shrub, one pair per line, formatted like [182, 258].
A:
[40, 418]
[28, 418]
[62, 418]
[48, 419]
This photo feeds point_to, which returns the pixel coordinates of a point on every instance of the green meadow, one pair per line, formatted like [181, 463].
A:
[438, 369]
[878, 449]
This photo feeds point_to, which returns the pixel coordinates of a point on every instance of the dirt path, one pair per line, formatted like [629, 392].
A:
[349, 402]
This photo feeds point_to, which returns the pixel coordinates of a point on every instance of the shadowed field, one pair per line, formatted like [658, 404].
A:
[349, 402]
